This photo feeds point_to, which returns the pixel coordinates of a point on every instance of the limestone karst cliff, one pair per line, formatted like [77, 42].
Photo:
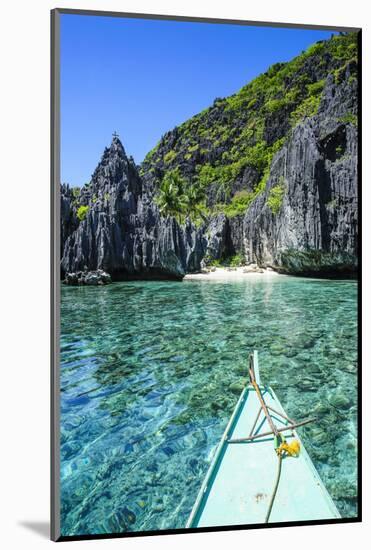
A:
[268, 175]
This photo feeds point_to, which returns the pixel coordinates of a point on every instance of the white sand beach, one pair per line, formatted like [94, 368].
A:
[232, 273]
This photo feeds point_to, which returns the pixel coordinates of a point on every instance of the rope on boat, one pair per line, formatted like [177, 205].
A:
[282, 449]
[275, 488]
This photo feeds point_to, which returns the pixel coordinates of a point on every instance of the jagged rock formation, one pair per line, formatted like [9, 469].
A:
[121, 230]
[315, 229]
[275, 169]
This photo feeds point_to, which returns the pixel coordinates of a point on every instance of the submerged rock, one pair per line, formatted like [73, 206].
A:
[320, 409]
[339, 401]
[127, 516]
[352, 369]
[237, 387]
[319, 437]
[343, 489]
[158, 508]
[307, 384]
[291, 352]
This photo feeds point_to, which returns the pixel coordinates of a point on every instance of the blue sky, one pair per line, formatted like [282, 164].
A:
[141, 78]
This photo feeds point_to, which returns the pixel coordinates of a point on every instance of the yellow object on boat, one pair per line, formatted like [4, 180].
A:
[291, 449]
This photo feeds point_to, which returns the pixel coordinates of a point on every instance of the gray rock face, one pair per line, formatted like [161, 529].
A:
[304, 222]
[216, 238]
[122, 231]
[91, 278]
[315, 227]
[69, 221]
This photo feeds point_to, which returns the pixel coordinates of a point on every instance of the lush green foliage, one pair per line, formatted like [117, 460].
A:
[259, 157]
[82, 212]
[275, 196]
[239, 203]
[349, 118]
[177, 197]
[169, 194]
[307, 108]
[216, 147]
[237, 260]
[232, 261]
[170, 156]
[213, 263]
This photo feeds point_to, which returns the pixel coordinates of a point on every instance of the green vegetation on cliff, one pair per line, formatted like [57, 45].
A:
[222, 156]
[82, 212]
[275, 196]
[178, 197]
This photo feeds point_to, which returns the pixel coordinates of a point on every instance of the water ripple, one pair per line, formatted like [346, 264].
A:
[150, 372]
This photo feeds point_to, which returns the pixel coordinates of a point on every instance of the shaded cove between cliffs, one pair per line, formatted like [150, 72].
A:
[151, 371]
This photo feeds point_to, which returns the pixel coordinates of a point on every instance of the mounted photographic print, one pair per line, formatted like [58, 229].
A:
[204, 284]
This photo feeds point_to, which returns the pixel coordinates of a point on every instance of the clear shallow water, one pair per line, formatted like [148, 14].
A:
[151, 371]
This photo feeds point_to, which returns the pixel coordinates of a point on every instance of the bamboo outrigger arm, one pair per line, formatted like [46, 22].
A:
[279, 430]
[265, 408]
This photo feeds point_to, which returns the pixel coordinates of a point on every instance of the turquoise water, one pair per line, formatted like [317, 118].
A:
[151, 371]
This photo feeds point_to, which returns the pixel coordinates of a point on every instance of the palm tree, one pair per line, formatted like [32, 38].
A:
[179, 199]
[170, 198]
[193, 197]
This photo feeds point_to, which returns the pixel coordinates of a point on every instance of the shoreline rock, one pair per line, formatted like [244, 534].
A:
[89, 278]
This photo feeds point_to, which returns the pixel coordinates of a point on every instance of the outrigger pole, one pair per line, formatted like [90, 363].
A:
[281, 447]
[265, 408]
